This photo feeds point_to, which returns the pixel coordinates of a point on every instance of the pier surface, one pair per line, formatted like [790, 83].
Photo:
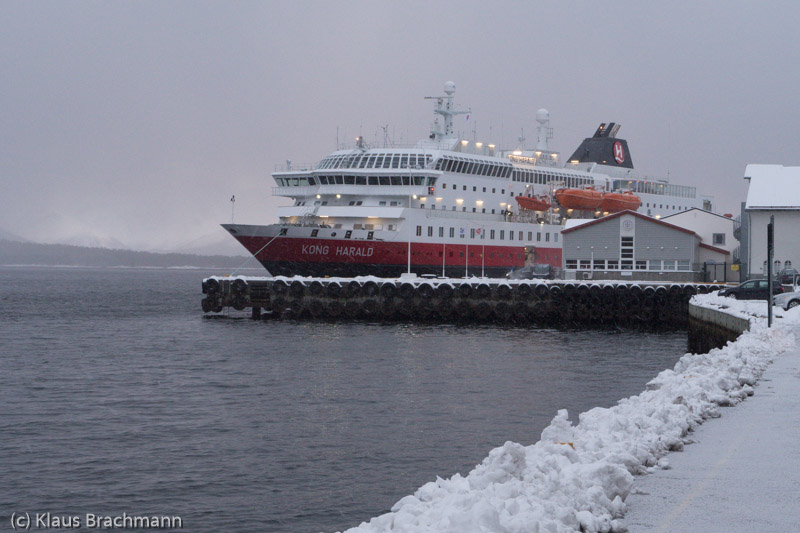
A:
[743, 472]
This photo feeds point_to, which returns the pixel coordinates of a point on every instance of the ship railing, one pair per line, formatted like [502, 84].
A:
[295, 167]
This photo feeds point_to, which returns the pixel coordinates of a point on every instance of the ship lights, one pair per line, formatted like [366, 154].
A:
[438, 198]
[464, 142]
[479, 202]
[319, 196]
[478, 144]
[459, 201]
[338, 196]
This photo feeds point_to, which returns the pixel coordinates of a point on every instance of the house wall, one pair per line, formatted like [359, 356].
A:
[787, 239]
[651, 241]
[706, 224]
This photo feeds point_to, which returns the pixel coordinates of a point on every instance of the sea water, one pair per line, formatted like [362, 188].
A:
[118, 396]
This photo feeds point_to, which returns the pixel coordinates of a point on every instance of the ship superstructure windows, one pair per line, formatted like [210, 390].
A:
[375, 160]
[542, 177]
[357, 180]
[477, 167]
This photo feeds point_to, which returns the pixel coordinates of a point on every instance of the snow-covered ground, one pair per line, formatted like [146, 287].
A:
[579, 476]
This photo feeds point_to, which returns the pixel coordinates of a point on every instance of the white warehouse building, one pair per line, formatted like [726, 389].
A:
[774, 191]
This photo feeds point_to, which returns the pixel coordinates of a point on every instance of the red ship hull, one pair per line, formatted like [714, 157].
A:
[289, 256]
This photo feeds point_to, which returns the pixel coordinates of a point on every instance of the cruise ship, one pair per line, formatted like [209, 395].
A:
[449, 206]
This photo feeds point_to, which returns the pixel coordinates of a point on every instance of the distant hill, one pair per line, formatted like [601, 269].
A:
[27, 253]
[8, 236]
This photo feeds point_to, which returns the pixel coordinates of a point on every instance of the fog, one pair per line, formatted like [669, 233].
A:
[132, 124]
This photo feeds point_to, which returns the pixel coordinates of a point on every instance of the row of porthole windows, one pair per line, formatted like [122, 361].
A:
[450, 253]
[480, 233]
[474, 188]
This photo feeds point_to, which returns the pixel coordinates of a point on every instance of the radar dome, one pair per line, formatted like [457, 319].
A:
[542, 116]
[449, 87]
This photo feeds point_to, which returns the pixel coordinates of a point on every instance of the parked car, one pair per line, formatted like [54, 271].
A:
[788, 275]
[787, 300]
[538, 271]
[755, 289]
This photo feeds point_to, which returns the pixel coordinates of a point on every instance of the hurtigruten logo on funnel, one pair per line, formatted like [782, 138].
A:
[619, 153]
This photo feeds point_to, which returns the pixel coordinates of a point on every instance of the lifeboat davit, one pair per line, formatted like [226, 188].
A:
[533, 203]
[585, 199]
[614, 202]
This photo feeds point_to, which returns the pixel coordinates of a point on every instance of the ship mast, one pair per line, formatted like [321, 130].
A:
[445, 108]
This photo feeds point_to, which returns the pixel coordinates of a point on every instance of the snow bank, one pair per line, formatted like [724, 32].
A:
[577, 477]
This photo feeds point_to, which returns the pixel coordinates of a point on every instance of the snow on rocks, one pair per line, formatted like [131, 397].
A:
[577, 477]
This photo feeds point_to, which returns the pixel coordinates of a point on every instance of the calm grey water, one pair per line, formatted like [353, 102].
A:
[118, 395]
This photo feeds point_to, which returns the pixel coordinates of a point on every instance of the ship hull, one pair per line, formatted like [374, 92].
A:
[296, 256]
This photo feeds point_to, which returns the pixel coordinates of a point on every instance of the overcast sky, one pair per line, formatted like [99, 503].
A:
[137, 121]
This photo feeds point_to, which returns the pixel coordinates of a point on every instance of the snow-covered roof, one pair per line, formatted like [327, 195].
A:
[773, 187]
[574, 222]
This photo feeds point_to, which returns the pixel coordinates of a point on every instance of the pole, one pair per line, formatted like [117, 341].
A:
[483, 251]
[466, 262]
[770, 253]
[233, 203]
[409, 230]
[443, 256]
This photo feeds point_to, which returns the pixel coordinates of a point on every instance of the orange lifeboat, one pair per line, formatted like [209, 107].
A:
[533, 203]
[614, 202]
[584, 199]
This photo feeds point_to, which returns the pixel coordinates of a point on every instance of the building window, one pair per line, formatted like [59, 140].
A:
[719, 239]
[441, 231]
[430, 231]
[585, 264]
[491, 234]
[613, 264]
[547, 237]
[572, 263]
[452, 232]
[502, 234]
[419, 231]
[641, 265]
[655, 264]
[530, 235]
[599, 264]
[684, 265]
[471, 233]
[314, 232]
[669, 264]
[348, 234]
[511, 235]
[538, 236]
[555, 237]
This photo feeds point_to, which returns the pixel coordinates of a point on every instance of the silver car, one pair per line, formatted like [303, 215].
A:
[787, 300]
